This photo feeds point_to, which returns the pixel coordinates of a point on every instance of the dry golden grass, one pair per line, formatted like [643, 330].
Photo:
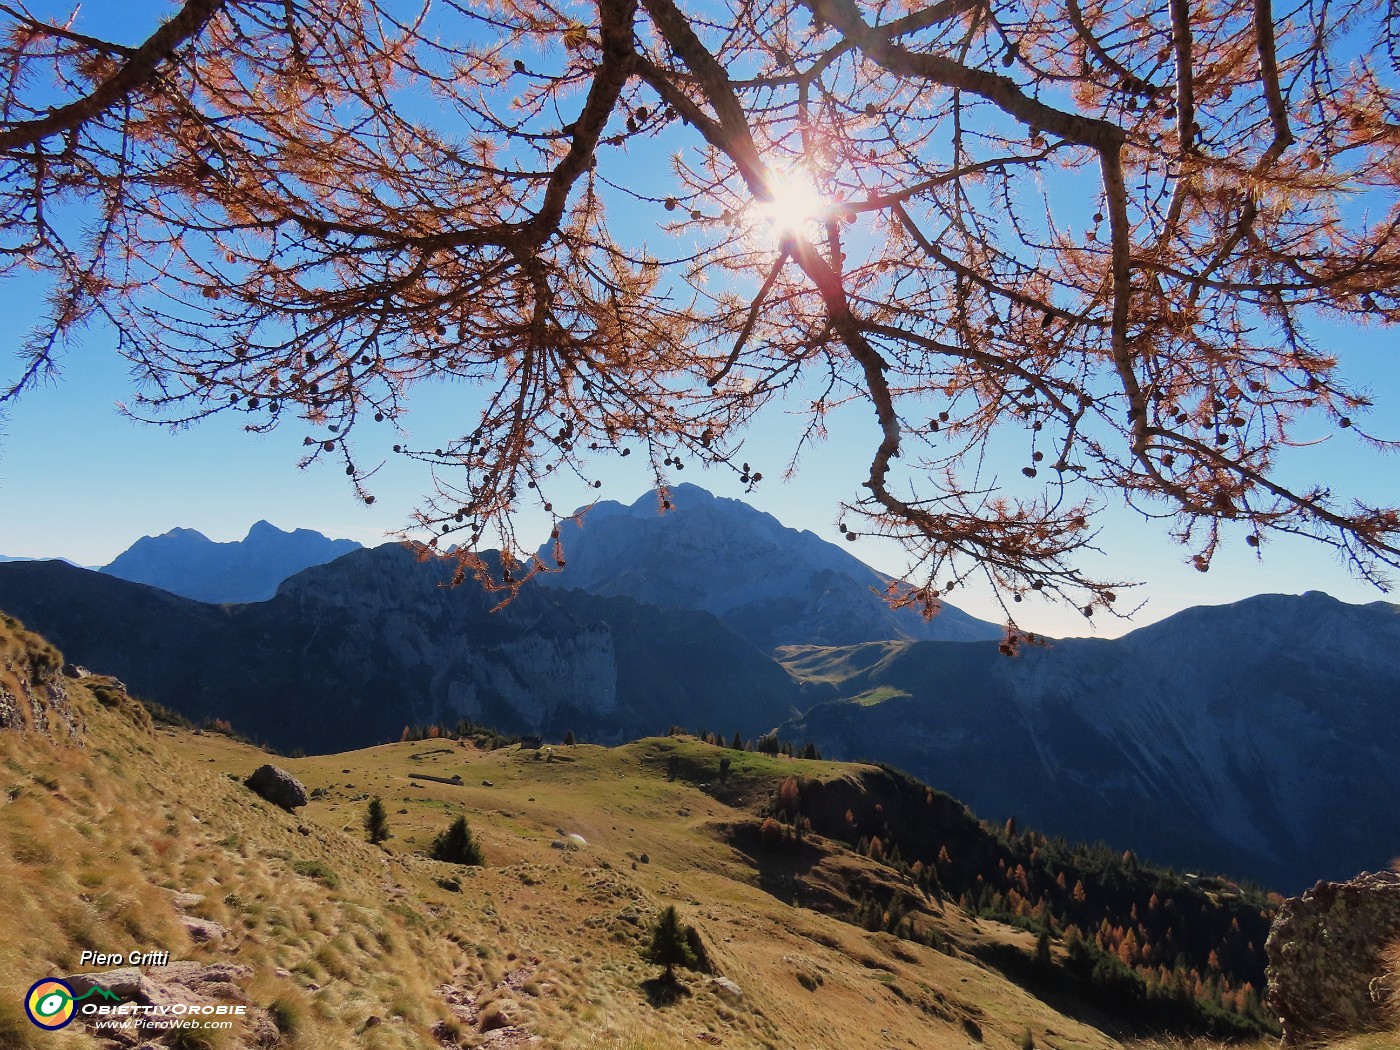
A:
[1389, 985]
[1177, 1043]
[95, 838]
[1374, 1041]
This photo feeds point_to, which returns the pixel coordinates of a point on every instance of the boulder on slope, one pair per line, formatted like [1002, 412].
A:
[277, 786]
[1326, 971]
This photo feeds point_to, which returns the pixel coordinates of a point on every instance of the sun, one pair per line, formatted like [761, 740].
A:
[795, 202]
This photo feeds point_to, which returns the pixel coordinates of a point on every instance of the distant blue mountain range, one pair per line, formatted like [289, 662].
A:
[190, 564]
[6, 557]
[770, 584]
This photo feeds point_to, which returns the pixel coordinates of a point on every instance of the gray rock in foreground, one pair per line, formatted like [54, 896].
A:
[277, 786]
[1326, 957]
[186, 985]
[125, 983]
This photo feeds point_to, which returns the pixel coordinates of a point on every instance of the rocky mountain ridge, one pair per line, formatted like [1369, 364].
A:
[188, 563]
[771, 584]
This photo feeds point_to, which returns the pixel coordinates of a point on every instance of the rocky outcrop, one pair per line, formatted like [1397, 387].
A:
[184, 986]
[33, 692]
[1326, 968]
[277, 786]
[124, 983]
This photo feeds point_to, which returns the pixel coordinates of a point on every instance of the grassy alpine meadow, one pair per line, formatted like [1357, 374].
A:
[122, 834]
[352, 944]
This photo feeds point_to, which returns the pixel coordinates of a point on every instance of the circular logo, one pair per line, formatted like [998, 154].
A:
[49, 1004]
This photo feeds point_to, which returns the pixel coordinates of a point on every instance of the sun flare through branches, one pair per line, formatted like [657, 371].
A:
[795, 203]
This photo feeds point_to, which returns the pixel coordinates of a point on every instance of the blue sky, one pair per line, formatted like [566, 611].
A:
[78, 480]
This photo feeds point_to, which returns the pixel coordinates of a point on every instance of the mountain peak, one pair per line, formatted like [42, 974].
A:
[648, 503]
[179, 533]
[188, 563]
[771, 584]
[685, 494]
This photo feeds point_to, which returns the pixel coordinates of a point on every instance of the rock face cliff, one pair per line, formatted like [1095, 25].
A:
[1257, 738]
[347, 654]
[771, 584]
[188, 563]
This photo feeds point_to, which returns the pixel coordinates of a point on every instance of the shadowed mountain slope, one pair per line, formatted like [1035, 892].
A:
[349, 653]
[1261, 737]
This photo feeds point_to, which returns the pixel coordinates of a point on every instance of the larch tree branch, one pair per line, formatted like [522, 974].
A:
[1103, 236]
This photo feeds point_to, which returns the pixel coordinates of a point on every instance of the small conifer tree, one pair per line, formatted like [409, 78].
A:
[670, 943]
[376, 822]
[457, 846]
[569, 740]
